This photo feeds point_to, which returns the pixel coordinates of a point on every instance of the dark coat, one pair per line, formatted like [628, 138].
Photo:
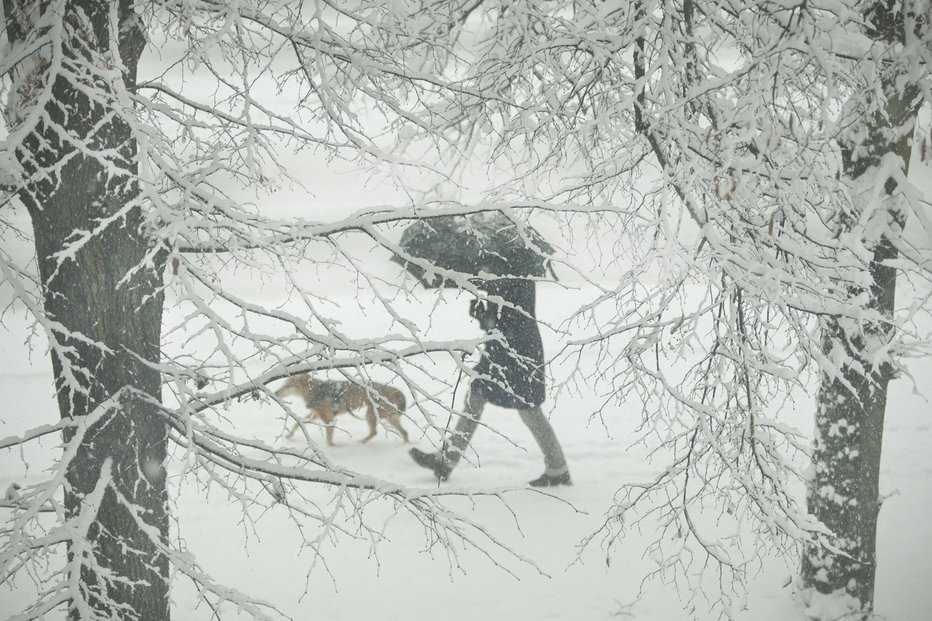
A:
[511, 371]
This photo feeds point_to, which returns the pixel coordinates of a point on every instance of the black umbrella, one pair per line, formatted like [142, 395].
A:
[488, 242]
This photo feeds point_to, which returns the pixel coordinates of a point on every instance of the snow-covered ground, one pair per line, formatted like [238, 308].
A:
[406, 575]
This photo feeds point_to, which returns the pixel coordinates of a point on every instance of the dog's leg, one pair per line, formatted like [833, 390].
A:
[298, 423]
[372, 420]
[395, 421]
[286, 391]
[327, 415]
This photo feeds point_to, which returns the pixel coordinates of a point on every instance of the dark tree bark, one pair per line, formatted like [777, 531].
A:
[106, 299]
[844, 491]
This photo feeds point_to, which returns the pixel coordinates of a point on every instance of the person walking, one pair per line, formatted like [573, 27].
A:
[510, 374]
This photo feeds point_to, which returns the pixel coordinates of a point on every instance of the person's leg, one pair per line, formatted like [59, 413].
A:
[458, 441]
[556, 472]
[443, 462]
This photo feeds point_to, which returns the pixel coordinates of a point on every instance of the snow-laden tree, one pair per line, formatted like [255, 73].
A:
[757, 157]
[754, 158]
[133, 134]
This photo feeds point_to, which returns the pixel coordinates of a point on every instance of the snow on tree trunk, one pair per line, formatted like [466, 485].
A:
[106, 304]
[844, 490]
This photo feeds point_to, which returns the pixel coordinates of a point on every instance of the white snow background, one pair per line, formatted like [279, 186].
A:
[406, 575]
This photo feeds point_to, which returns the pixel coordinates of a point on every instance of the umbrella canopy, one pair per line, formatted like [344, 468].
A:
[488, 242]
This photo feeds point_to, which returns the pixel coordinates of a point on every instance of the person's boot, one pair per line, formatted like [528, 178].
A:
[432, 461]
[551, 480]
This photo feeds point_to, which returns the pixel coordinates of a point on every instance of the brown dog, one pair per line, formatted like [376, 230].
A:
[327, 398]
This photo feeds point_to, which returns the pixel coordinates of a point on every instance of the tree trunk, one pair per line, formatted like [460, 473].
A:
[107, 302]
[844, 490]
